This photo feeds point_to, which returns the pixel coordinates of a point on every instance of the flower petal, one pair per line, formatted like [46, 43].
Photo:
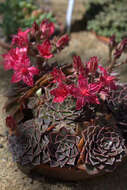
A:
[17, 76]
[60, 93]
[62, 42]
[33, 70]
[47, 28]
[80, 103]
[82, 82]
[58, 75]
[78, 65]
[28, 79]
[45, 49]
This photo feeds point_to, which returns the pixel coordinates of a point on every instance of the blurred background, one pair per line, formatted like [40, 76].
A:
[104, 17]
[92, 23]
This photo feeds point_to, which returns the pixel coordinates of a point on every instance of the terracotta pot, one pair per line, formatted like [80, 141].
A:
[64, 174]
[78, 171]
[103, 39]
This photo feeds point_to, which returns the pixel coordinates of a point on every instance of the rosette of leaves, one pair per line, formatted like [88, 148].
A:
[34, 146]
[103, 149]
[57, 115]
[117, 104]
[29, 147]
[63, 148]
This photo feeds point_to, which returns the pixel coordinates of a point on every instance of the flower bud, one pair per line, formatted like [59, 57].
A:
[92, 64]
[10, 122]
[112, 42]
[62, 42]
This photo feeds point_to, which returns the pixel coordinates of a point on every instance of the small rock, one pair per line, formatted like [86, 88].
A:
[1, 135]
[1, 146]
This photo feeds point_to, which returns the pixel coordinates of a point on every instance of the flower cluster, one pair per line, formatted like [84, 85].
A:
[29, 55]
[89, 83]
[31, 49]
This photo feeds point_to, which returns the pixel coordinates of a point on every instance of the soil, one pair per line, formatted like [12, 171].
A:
[86, 45]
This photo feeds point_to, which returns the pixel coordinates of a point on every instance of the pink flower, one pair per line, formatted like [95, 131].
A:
[95, 87]
[108, 81]
[14, 56]
[60, 93]
[21, 39]
[9, 59]
[45, 49]
[25, 72]
[92, 64]
[85, 93]
[47, 28]
[62, 42]
[58, 75]
[78, 65]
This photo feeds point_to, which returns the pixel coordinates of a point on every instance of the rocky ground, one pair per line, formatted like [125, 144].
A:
[11, 178]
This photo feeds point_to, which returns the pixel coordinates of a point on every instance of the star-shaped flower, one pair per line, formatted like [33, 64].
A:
[21, 39]
[106, 80]
[45, 49]
[60, 93]
[84, 92]
[25, 72]
[58, 75]
[13, 57]
[47, 28]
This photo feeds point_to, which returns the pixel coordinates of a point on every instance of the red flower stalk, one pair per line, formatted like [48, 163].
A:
[21, 39]
[47, 28]
[112, 42]
[62, 42]
[23, 71]
[58, 75]
[120, 48]
[45, 49]
[85, 93]
[60, 93]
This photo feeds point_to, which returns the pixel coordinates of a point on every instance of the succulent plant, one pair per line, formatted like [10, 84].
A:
[103, 148]
[30, 146]
[63, 148]
[34, 147]
[117, 104]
